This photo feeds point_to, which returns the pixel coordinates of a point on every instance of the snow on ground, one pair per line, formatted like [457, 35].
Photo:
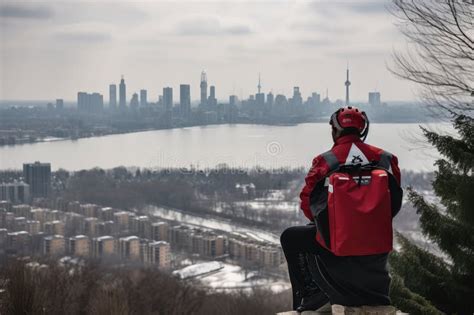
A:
[258, 205]
[232, 277]
[274, 195]
[198, 269]
[211, 223]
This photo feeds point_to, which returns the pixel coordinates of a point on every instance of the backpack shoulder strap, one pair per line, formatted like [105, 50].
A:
[331, 160]
[386, 161]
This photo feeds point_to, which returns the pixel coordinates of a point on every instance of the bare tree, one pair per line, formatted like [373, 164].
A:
[440, 57]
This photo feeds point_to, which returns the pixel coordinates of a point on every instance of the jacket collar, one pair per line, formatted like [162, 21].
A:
[347, 139]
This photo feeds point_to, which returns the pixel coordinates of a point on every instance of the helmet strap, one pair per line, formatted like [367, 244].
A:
[365, 132]
[335, 122]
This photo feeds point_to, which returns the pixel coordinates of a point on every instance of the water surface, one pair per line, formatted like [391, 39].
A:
[209, 146]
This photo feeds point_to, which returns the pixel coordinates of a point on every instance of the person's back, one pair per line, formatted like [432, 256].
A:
[351, 194]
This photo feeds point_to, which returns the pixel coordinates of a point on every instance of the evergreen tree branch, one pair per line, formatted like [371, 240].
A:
[453, 237]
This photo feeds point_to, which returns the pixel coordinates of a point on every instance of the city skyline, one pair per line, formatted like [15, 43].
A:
[259, 96]
[52, 50]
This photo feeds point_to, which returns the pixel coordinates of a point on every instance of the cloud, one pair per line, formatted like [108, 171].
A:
[323, 28]
[30, 11]
[367, 7]
[81, 36]
[84, 32]
[209, 26]
[356, 53]
[238, 30]
[336, 8]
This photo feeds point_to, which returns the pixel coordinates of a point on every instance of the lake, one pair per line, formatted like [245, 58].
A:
[208, 146]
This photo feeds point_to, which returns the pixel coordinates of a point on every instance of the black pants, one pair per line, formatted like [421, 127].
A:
[350, 281]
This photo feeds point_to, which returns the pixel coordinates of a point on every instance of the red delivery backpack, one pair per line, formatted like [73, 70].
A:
[353, 209]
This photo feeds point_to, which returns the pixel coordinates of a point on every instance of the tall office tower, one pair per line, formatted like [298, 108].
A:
[97, 102]
[233, 100]
[347, 84]
[59, 103]
[134, 101]
[143, 98]
[122, 94]
[185, 100]
[212, 100]
[374, 98]
[168, 99]
[38, 176]
[270, 99]
[83, 101]
[297, 99]
[212, 93]
[316, 98]
[280, 100]
[203, 88]
[90, 102]
[113, 96]
[260, 99]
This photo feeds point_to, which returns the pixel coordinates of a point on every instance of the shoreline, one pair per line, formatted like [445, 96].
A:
[55, 139]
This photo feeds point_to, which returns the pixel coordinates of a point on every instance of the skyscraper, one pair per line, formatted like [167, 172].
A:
[134, 101]
[59, 103]
[297, 99]
[212, 93]
[83, 101]
[212, 100]
[316, 98]
[38, 176]
[270, 99]
[374, 98]
[347, 84]
[185, 100]
[90, 102]
[168, 98]
[97, 102]
[233, 100]
[259, 97]
[112, 96]
[122, 94]
[203, 88]
[143, 98]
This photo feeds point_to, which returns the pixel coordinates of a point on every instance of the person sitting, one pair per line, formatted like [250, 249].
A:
[352, 192]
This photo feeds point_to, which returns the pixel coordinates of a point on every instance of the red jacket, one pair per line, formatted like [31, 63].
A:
[348, 149]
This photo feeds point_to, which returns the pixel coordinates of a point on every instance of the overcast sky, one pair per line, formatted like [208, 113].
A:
[54, 49]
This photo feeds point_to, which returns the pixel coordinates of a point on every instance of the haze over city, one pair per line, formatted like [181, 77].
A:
[55, 49]
[229, 157]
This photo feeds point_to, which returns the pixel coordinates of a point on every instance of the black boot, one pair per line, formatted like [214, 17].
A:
[312, 298]
[313, 302]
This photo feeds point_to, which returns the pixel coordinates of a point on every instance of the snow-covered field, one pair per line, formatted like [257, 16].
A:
[198, 269]
[272, 205]
[212, 223]
[227, 277]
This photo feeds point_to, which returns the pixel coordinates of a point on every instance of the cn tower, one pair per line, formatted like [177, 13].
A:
[347, 83]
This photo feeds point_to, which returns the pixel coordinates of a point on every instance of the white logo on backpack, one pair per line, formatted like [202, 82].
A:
[355, 156]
